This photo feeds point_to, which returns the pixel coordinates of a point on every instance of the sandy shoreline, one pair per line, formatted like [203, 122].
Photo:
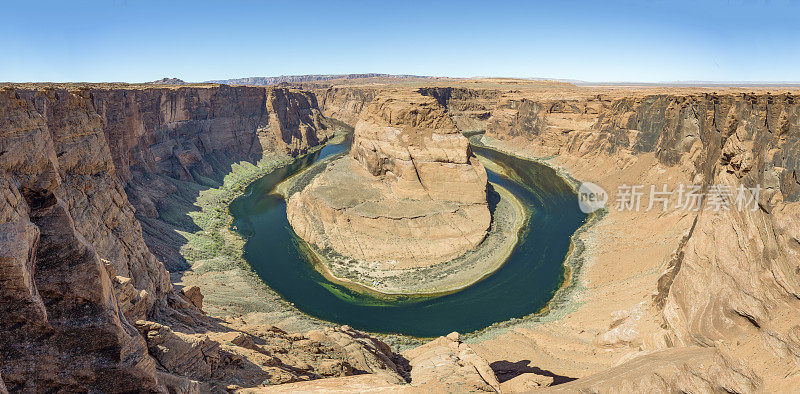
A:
[563, 301]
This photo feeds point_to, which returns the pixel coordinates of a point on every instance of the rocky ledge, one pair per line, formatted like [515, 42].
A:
[411, 196]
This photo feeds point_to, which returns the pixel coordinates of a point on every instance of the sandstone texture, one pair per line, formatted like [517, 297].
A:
[707, 293]
[86, 173]
[193, 295]
[63, 328]
[95, 181]
[443, 365]
[79, 283]
[727, 280]
[410, 195]
[168, 143]
[448, 365]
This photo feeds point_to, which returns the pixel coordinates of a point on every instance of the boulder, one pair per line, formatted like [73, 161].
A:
[448, 365]
[193, 295]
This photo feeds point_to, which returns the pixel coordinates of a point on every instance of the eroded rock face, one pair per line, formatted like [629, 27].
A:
[73, 164]
[410, 195]
[193, 356]
[730, 287]
[62, 326]
[133, 303]
[687, 370]
[75, 270]
[93, 194]
[415, 145]
[193, 295]
[345, 104]
[166, 142]
[443, 365]
[265, 355]
[365, 353]
[470, 109]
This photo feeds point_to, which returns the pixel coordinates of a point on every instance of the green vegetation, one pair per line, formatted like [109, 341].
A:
[215, 241]
[200, 211]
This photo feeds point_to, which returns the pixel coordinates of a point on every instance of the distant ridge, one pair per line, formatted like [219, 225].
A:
[267, 81]
[690, 83]
[694, 83]
[293, 79]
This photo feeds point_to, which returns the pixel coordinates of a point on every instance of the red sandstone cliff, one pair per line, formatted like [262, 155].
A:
[75, 163]
[66, 160]
[731, 285]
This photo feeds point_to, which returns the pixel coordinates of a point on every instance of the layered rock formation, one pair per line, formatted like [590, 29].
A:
[470, 109]
[163, 141]
[94, 179]
[448, 365]
[730, 286]
[62, 326]
[747, 258]
[75, 270]
[346, 103]
[264, 355]
[84, 303]
[444, 364]
[720, 314]
[410, 195]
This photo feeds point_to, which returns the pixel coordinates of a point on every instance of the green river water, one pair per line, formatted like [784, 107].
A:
[524, 285]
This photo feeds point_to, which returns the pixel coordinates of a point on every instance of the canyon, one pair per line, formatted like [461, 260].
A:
[104, 189]
[409, 200]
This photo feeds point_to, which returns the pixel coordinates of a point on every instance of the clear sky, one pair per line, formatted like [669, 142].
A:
[648, 41]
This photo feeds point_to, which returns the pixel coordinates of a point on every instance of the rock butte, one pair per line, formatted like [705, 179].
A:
[96, 179]
[410, 195]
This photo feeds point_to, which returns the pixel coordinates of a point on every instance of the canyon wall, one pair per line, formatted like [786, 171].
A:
[345, 103]
[162, 139]
[732, 285]
[726, 300]
[62, 325]
[736, 286]
[470, 109]
[95, 181]
[79, 170]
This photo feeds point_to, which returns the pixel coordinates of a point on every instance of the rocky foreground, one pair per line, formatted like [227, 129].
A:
[96, 182]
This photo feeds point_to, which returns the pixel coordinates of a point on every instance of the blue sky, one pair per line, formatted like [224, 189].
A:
[647, 41]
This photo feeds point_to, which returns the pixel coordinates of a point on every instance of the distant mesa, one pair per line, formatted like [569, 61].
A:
[168, 81]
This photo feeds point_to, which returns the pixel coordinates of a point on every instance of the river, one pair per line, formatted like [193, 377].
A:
[524, 285]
